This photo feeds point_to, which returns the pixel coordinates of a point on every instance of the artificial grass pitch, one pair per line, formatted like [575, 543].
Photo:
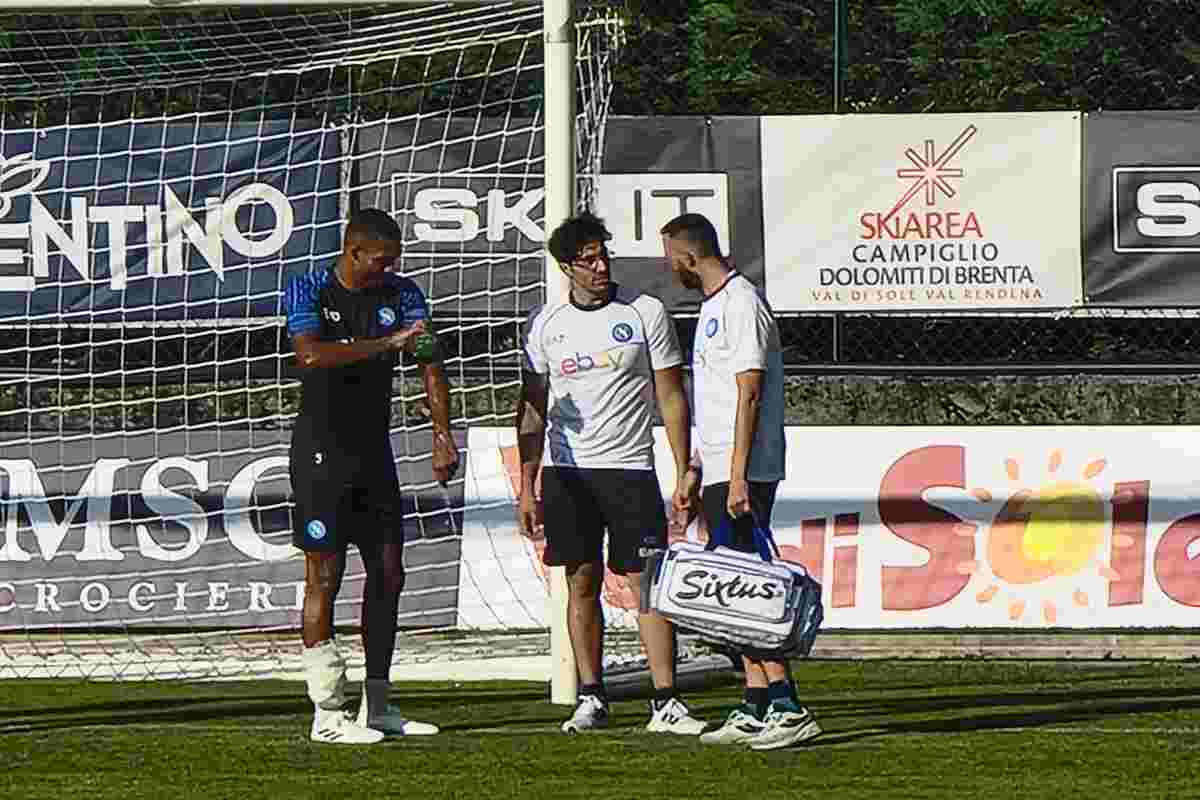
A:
[893, 729]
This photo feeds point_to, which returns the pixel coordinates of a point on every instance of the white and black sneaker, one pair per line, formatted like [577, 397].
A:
[673, 717]
[786, 724]
[741, 727]
[391, 722]
[590, 714]
[337, 727]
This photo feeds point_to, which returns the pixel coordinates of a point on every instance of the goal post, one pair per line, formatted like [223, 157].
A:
[560, 183]
[165, 167]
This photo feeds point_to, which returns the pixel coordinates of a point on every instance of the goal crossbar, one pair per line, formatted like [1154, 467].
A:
[168, 5]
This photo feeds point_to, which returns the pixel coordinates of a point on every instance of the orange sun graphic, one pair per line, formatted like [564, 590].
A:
[1056, 531]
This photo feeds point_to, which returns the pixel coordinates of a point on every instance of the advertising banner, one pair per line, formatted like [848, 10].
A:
[149, 220]
[189, 529]
[1142, 208]
[656, 168]
[924, 528]
[471, 201]
[469, 196]
[944, 212]
[1035, 528]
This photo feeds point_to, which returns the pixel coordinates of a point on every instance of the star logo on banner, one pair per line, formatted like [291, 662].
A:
[931, 172]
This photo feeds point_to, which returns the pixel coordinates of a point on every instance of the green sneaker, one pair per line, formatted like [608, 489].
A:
[786, 724]
[741, 727]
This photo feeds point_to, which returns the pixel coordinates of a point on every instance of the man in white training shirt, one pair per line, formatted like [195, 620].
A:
[595, 362]
[737, 383]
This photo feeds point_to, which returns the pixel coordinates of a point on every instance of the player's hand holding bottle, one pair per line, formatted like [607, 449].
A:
[422, 345]
[403, 338]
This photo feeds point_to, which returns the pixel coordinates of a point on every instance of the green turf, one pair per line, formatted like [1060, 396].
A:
[897, 730]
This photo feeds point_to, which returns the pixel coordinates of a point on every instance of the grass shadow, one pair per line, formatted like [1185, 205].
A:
[1017, 720]
[924, 703]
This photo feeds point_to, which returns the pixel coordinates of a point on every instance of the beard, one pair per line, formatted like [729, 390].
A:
[689, 280]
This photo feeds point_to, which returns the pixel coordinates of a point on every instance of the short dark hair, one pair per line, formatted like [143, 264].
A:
[570, 237]
[697, 231]
[372, 224]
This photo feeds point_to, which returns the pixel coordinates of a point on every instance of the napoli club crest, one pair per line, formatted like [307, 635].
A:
[622, 332]
[387, 317]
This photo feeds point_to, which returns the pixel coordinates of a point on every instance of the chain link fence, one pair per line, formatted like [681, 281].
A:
[1007, 55]
[917, 56]
[988, 57]
[1070, 341]
[939, 56]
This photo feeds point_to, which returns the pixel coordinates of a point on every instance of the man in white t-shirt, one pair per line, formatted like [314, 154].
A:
[595, 363]
[737, 388]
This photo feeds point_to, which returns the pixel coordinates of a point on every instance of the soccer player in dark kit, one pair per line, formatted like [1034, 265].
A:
[349, 324]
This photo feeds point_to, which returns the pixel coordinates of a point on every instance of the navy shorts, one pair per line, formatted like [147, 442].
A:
[342, 499]
[581, 504]
[715, 498]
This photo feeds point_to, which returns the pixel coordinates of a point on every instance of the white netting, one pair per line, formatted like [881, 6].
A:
[164, 173]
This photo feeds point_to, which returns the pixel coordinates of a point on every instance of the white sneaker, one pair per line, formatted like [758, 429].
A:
[786, 726]
[336, 727]
[590, 714]
[392, 723]
[674, 717]
[739, 728]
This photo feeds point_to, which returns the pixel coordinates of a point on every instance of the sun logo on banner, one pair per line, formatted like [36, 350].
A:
[1056, 531]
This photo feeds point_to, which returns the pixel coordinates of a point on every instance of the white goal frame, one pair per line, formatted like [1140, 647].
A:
[559, 183]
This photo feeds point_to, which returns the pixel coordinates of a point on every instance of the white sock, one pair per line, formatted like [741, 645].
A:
[375, 695]
[325, 674]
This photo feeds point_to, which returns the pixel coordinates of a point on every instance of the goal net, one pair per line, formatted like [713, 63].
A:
[163, 174]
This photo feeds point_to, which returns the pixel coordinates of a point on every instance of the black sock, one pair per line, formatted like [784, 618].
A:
[662, 697]
[756, 698]
[594, 689]
[780, 691]
[383, 563]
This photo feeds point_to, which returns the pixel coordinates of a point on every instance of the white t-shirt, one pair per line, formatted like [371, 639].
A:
[736, 332]
[600, 362]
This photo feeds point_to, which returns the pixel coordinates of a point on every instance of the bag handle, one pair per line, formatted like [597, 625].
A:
[764, 541]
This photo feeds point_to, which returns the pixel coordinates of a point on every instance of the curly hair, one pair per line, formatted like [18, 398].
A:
[569, 238]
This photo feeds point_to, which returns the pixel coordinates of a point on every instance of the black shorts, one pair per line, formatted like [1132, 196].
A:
[715, 498]
[343, 499]
[580, 504]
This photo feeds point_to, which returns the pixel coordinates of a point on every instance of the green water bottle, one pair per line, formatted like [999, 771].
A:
[423, 347]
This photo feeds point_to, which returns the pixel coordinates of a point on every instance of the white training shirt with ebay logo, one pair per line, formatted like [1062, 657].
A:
[600, 363]
[736, 332]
